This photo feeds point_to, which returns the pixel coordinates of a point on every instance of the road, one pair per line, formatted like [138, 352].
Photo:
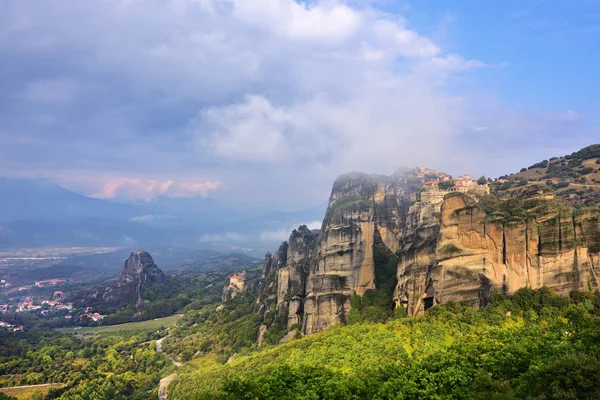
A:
[164, 382]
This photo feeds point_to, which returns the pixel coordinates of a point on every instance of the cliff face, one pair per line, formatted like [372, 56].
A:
[282, 288]
[363, 210]
[455, 242]
[267, 286]
[312, 277]
[465, 253]
[139, 273]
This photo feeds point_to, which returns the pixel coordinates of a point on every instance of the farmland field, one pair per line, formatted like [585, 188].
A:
[28, 392]
[133, 326]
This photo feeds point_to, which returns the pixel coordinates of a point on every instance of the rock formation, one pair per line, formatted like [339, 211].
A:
[363, 209]
[310, 279]
[139, 273]
[459, 245]
[237, 285]
[465, 253]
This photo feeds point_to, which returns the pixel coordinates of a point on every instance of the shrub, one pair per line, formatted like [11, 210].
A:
[575, 162]
[587, 170]
[446, 185]
[541, 164]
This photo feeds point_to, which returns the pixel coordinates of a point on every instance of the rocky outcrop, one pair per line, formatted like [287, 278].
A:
[363, 210]
[291, 279]
[267, 286]
[468, 252]
[282, 288]
[139, 273]
[459, 246]
[313, 275]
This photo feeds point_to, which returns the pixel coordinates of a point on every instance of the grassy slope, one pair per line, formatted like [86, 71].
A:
[480, 343]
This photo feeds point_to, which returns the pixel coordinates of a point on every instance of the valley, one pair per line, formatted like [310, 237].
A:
[409, 276]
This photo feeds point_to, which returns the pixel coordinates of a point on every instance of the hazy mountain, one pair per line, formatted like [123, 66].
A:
[33, 199]
[40, 213]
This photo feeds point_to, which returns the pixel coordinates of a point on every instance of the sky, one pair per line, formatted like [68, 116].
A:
[267, 101]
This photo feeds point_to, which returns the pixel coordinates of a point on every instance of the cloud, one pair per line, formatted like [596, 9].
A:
[331, 21]
[150, 217]
[133, 189]
[262, 100]
[50, 91]
[280, 235]
[104, 186]
[222, 237]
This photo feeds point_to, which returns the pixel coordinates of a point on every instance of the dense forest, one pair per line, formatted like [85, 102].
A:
[99, 367]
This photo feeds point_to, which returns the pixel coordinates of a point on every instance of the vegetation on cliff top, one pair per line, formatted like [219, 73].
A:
[575, 178]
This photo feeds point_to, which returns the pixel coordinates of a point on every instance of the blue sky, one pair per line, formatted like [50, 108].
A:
[270, 100]
[551, 47]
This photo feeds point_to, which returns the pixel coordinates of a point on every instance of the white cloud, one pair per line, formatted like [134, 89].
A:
[135, 188]
[280, 235]
[251, 130]
[404, 42]
[150, 217]
[51, 91]
[222, 237]
[264, 99]
[330, 21]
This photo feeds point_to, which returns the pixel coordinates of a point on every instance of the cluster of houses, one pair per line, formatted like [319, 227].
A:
[28, 304]
[4, 283]
[50, 282]
[90, 315]
[11, 327]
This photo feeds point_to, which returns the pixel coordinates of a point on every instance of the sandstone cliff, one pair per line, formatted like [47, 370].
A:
[311, 278]
[363, 210]
[453, 242]
[466, 252]
[282, 288]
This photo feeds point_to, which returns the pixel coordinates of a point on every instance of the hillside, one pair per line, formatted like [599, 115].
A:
[536, 346]
[575, 178]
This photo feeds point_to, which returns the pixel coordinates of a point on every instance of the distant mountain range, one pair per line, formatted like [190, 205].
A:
[41, 213]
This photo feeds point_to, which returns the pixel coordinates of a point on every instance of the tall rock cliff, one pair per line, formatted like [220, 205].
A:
[466, 252]
[452, 238]
[312, 277]
[282, 288]
[363, 210]
[139, 273]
